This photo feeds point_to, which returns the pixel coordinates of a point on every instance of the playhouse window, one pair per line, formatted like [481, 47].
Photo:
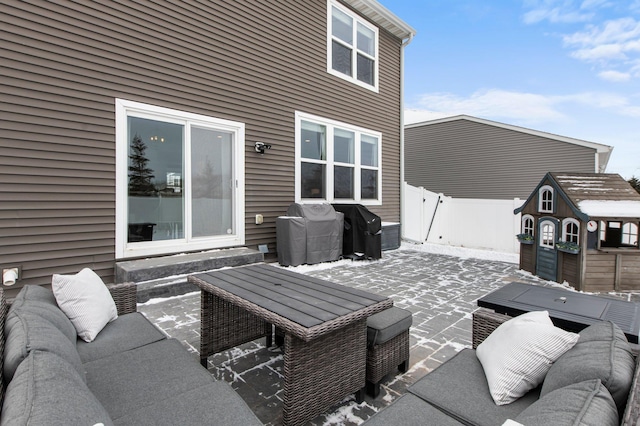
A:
[527, 224]
[630, 234]
[618, 234]
[548, 236]
[571, 231]
[545, 199]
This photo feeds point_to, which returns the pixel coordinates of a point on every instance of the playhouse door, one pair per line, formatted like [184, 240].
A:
[547, 257]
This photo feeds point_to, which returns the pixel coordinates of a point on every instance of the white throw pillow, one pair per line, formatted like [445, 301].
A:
[87, 302]
[518, 354]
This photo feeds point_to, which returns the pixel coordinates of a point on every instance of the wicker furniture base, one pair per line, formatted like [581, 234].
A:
[224, 325]
[385, 358]
[317, 371]
[324, 360]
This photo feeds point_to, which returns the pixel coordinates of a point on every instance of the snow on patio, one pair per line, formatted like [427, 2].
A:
[438, 284]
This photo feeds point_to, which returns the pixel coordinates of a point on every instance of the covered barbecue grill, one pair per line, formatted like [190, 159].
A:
[362, 231]
[309, 233]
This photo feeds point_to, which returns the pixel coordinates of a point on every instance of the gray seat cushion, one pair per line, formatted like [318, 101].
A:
[586, 403]
[47, 390]
[126, 332]
[41, 301]
[129, 381]
[409, 410]
[601, 353]
[215, 403]
[459, 388]
[35, 293]
[386, 325]
[27, 331]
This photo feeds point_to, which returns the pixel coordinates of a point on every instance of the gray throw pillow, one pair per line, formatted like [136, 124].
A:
[87, 302]
[586, 403]
[46, 390]
[602, 352]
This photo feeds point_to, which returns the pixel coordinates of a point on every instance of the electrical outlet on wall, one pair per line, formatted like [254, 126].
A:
[259, 219]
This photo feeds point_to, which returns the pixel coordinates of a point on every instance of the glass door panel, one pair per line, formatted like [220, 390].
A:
[212, 182]
[155, 188]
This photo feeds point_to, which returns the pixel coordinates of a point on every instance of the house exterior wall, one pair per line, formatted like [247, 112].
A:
[467, 159]
[65, 63]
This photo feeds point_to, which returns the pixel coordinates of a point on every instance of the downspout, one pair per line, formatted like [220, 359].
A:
[402, 196]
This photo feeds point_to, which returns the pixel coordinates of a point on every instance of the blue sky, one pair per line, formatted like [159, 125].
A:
[567, 67]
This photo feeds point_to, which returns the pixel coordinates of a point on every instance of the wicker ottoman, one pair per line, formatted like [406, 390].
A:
[387, 345]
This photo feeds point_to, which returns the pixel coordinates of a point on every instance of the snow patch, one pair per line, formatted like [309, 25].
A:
[610, 208]
[462, 252]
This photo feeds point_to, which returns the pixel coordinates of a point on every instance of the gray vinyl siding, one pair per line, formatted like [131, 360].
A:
[466, 159]
[63, 65]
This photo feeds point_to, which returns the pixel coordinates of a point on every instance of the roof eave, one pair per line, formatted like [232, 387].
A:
[383, 17]
[602, 151]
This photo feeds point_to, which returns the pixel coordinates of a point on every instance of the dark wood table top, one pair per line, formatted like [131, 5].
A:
[305, 301]
[568, 309]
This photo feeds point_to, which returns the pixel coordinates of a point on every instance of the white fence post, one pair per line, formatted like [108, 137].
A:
[412, 214]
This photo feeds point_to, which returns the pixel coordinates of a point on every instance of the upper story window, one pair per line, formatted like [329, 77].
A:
[527, 224]
[337, 162]
[545, 199]
[352, 47]
[571, 231]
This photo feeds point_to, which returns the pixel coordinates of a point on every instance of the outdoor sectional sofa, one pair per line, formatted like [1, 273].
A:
[131, 374]
[595, 383]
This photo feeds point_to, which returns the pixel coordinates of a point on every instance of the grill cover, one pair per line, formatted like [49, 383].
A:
[362, 231]
[321, 234]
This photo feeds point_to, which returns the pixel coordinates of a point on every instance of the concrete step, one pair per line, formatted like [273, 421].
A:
[167, 275]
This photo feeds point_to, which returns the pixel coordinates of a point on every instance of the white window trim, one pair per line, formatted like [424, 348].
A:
[540, 192]
[124, 109]
[533, 224]
[356, 19]
[565, 222]
[541, 238]
[330, 124]
[628, 234]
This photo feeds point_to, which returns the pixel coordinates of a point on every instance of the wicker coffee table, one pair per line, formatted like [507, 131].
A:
[324, 325]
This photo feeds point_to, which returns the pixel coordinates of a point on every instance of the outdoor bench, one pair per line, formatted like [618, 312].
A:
[457, 392]
[131, 374]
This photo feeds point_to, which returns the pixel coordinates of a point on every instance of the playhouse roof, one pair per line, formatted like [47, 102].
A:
[594, 195]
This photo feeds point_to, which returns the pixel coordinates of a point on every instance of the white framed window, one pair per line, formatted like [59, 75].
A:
[352, 46]
[618, 234]
[337, 162]
[571, 230]
[545, 199]
[630, 234]
[547, 234]
[179, 181]
[527, 225]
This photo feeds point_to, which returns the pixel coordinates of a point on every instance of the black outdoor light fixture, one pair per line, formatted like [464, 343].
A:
[261, 146]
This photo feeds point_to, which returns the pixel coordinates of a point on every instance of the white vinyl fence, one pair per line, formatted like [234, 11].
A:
[462, 222]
